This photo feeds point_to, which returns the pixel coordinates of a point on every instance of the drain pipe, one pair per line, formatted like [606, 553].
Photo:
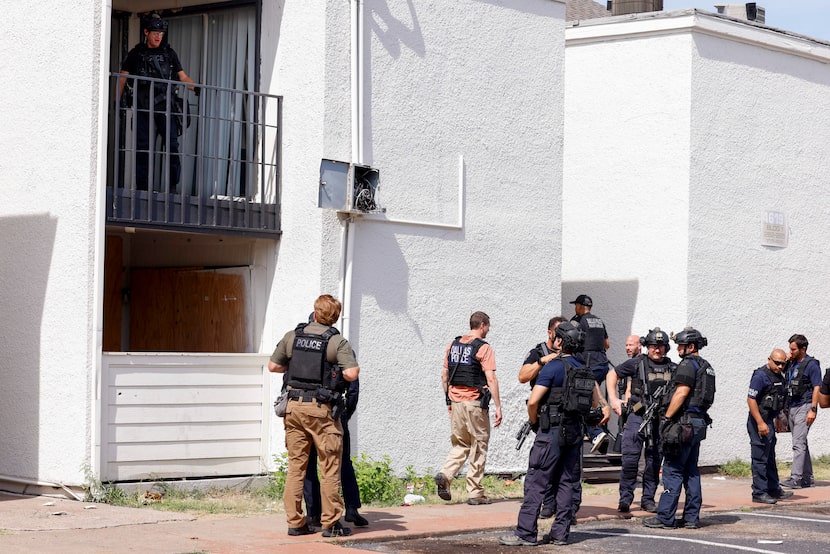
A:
[35, 483]
[347, 235]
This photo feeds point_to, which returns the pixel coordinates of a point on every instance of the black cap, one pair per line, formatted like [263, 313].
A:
[584, 300]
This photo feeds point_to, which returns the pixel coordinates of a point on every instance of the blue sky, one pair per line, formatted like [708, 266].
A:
[807, 17]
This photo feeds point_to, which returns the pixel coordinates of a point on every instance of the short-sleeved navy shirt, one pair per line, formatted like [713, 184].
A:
[552, 374]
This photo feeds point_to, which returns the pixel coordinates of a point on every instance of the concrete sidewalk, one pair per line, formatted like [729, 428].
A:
[41, 524]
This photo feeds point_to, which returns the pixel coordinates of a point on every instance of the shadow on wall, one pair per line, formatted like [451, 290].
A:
[614, 302]
[25, 259]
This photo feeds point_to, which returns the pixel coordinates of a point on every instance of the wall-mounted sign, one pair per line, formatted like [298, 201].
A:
[774, 231]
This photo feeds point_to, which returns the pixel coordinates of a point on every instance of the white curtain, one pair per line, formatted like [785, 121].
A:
[186, 37]
[218, 49]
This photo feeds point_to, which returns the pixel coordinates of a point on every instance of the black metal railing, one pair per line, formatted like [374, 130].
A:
[193, 157]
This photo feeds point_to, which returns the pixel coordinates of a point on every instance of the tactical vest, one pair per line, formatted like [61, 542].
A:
[594, 333]
[309, 369]
[156, 63]
[464, 367]
[800, 385]
[575, 396]
[703, 396]
[773, 400]
[543, 350]
[655, 376]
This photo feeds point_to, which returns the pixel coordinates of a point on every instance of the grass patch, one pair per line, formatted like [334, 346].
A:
[379, 487]
[736, 468]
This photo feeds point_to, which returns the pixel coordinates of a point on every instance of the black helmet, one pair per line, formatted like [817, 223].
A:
[656, 336]
[572, 337]
[155, 23]
[690, 335]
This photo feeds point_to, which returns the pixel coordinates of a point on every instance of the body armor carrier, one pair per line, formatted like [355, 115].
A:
[155, 63]
[309, 368]
[465, 368]
[799, 386]
[703, 396]
[649, 378]
[773, 401]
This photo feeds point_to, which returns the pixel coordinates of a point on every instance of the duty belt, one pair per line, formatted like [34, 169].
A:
[301, 395]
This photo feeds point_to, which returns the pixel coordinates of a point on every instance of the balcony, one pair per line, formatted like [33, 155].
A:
[194, 158]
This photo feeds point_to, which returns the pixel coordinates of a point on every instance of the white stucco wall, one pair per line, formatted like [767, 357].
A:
[478, 81]
[712, 123]
[474, 80]
[49, 222]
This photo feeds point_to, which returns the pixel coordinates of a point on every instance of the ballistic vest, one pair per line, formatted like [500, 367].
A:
[463, 365]
[703, 396]
[800, 387]
[775, 395]
[309, 369]
[650, 376]
[155, 63]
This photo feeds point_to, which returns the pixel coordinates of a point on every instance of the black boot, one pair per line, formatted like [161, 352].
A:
[353, 517]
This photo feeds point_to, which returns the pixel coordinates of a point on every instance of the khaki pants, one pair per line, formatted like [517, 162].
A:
[470, 435]
[307, 426]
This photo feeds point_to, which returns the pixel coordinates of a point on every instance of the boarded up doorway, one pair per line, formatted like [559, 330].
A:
[190, 310]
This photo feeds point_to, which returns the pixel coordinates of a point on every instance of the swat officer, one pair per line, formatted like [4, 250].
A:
[154, 57]
[766, 397]
[564, 392]
[318, 362]
[535, 360]
[690, 395]
[649, 374]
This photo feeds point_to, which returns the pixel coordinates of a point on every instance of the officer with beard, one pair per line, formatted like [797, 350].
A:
[647, 373]
[690, 395]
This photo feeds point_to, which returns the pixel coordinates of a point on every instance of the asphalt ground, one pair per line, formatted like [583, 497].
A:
[42, 524]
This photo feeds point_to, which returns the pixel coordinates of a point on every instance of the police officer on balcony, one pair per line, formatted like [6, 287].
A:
[319, 362]
[690, 395]
[154, 57]
[565, 389]
[646, 373]
[766, 397]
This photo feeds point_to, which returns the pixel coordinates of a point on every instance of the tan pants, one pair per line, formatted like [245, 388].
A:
[307, 426]
[470, 435]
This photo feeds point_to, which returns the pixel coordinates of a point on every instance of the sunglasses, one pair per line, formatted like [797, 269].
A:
[776, 362]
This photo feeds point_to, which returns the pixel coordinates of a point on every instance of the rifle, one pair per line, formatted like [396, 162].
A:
[652, 411]
[522, 435]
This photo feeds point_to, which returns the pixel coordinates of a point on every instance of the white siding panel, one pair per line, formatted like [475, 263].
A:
[125, 396]
[183, 468]
[124, 434]
[185, 450]
[183, 415]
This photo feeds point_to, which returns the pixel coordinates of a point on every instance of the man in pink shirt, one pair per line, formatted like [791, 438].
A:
[469, 382]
